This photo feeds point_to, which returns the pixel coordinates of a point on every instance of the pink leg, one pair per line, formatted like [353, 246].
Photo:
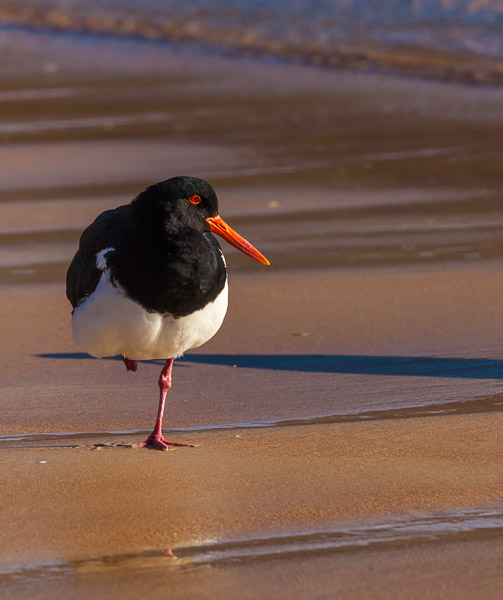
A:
[155, 439]
[131, 365]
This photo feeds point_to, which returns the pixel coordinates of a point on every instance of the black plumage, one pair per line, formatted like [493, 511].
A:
[164, 257]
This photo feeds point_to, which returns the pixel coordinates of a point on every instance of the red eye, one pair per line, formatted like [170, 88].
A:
[195, 199]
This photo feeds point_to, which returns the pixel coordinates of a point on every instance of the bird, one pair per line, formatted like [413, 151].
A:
[149, 280]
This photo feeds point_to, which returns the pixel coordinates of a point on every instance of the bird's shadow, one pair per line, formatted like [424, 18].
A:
[412, 366]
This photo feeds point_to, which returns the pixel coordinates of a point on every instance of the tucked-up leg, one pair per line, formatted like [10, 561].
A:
[131, 365]
[156, 440]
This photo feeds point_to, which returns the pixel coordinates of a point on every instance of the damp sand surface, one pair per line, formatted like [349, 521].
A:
[346, 418]
[377, 464]
[246, 509]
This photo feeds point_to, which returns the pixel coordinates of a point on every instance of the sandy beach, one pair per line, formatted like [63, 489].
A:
[259, 501]
[347, 417]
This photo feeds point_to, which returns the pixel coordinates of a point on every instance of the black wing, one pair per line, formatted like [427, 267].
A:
[106, 231]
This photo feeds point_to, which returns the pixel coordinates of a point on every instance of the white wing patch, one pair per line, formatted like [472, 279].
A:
[101, 261]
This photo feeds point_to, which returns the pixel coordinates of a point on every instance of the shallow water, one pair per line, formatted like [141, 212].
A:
[459, 39]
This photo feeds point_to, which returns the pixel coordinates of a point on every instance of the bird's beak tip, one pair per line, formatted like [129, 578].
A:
[220, 227]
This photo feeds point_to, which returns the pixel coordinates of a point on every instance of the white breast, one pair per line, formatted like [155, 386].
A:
[108, 323]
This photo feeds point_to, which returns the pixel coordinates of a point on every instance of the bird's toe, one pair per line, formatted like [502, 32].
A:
[157, 442]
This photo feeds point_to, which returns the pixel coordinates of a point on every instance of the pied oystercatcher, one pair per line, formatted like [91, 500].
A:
[149, 279]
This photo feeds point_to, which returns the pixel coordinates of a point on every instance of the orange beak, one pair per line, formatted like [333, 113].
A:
[220, 227]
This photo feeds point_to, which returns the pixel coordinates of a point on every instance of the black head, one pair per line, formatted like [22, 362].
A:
[178, 202]
[186, 202]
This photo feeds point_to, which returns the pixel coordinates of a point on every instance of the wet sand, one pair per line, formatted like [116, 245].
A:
[347, 417]
[107, 512]
[85, 514]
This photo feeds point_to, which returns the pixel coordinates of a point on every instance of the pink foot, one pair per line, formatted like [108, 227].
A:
[157, 442]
